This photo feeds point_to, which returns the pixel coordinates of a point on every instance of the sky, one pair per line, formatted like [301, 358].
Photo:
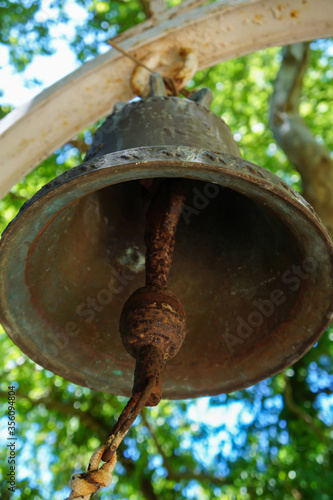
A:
[46, 69]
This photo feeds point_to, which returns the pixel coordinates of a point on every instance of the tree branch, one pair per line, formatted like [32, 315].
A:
[172, 473]
[94, 424]
[311, 159]
[16, 197]
[80, 144]
[300, 413]
[145, 484]
[152, 8]
[90, 421]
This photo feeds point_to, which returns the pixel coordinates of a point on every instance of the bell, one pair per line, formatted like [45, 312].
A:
[252, 264]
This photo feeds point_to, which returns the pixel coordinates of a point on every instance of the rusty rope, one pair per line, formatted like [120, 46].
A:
[169, 82]
[84, 484]
[127, 54]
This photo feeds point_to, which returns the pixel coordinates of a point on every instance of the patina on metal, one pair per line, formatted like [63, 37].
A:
[252, 264]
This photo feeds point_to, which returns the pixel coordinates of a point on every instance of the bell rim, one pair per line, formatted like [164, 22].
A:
[140, 159]
[177, 155]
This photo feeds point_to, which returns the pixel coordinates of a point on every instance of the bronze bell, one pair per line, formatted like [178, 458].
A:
[252, 264]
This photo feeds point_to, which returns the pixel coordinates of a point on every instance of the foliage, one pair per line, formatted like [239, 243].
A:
[28, 28]
[23, 32]
[273, 440]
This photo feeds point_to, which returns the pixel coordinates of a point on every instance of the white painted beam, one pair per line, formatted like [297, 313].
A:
[216, 32]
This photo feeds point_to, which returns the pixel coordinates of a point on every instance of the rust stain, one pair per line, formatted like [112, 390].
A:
[258, 18]
[294, 13]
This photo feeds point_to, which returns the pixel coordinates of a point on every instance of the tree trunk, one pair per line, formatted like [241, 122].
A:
[311, 159]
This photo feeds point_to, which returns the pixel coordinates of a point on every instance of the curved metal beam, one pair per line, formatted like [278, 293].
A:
[216, 32]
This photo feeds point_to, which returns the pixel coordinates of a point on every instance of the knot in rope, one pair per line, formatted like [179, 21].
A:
[84, 484]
